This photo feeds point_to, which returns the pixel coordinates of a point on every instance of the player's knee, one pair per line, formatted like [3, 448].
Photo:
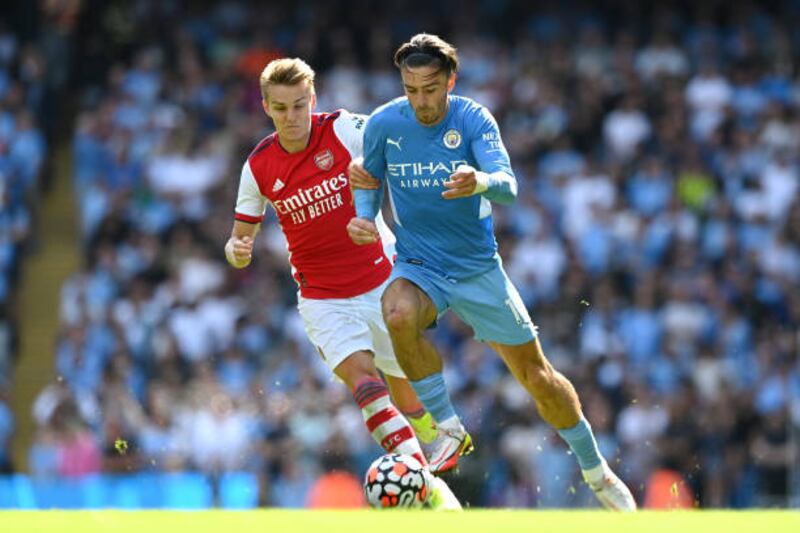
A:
[399, 317]
[358, 366]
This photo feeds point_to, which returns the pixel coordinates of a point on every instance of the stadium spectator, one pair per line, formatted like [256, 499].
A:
[23, 151]
[6, 431]
[684, 273]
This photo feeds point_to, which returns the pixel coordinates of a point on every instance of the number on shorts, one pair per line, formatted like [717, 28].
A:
[517, 315]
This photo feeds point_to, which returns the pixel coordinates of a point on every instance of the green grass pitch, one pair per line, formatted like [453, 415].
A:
[491, 521]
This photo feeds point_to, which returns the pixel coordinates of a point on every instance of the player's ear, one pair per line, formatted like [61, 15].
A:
[313, 101]
[265, 105]
[451, 82]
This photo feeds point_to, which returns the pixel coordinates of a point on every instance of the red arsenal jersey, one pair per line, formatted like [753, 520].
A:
[310, 193]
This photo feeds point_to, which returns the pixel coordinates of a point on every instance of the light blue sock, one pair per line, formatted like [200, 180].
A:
[432, 392]
[581, 440]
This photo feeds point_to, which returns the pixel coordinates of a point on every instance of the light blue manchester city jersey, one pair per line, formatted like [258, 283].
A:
[453, 236]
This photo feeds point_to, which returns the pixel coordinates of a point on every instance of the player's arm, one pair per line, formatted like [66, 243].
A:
[362, 228]
[493, 179]
[349, 128]
[368, 201]
[360, 178]
[498, 186]
[250, 208]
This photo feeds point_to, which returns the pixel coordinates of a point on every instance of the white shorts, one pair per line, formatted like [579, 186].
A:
[338, 327]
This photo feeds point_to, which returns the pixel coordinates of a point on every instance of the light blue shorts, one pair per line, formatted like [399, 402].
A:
[488, 302]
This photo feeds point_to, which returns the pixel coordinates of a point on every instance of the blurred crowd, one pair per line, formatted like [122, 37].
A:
[656, 241]
[24, 86]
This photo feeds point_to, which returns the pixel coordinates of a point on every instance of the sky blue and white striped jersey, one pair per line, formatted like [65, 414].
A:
[454, 236]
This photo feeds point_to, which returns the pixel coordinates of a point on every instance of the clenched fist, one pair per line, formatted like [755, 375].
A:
[362, 231]
[462, 183]
[239, 251]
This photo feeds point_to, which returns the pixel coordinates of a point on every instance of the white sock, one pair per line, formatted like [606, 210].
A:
[595, 474]
[452, 424]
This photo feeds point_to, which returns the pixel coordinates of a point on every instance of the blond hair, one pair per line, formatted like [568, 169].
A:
[285, 71]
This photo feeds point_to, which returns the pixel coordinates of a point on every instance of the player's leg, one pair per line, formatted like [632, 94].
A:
[343, 336]
[384, 421]
[441, 497]
[387, 425]
[403, 395]
[408, 311]
[558, 404]
[405, 398]
[493, 307]
[555, 397]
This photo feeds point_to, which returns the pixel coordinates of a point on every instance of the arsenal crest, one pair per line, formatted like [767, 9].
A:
[324, 160]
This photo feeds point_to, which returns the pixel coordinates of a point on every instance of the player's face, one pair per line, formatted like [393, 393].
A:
[289, 107]
[427, 89]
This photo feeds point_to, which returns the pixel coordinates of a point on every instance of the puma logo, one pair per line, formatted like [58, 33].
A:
[395, 143]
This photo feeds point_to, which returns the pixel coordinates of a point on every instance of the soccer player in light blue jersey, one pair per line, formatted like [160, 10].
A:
[443, 162]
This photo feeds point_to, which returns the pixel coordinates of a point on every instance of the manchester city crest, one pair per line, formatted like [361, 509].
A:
[452, 139]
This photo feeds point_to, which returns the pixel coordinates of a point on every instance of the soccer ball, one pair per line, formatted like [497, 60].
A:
[395, 480]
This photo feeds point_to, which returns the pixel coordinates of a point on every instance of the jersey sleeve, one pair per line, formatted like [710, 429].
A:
[349, 129]
[250, 203]
[487, 145]
[374, 146]
[368, 202]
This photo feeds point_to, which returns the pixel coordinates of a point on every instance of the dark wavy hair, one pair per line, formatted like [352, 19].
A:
[425, 49]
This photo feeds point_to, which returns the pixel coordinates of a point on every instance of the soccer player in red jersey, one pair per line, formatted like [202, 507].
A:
[301, 170]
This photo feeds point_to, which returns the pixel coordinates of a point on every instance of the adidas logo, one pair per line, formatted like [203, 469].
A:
[278, 185]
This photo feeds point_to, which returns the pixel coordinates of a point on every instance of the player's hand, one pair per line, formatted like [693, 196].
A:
[362, 231]
[239, 251]
[359, 177]
[461, 183]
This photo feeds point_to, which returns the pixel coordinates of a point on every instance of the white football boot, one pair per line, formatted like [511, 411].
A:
[450, 444]
[608, 488]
